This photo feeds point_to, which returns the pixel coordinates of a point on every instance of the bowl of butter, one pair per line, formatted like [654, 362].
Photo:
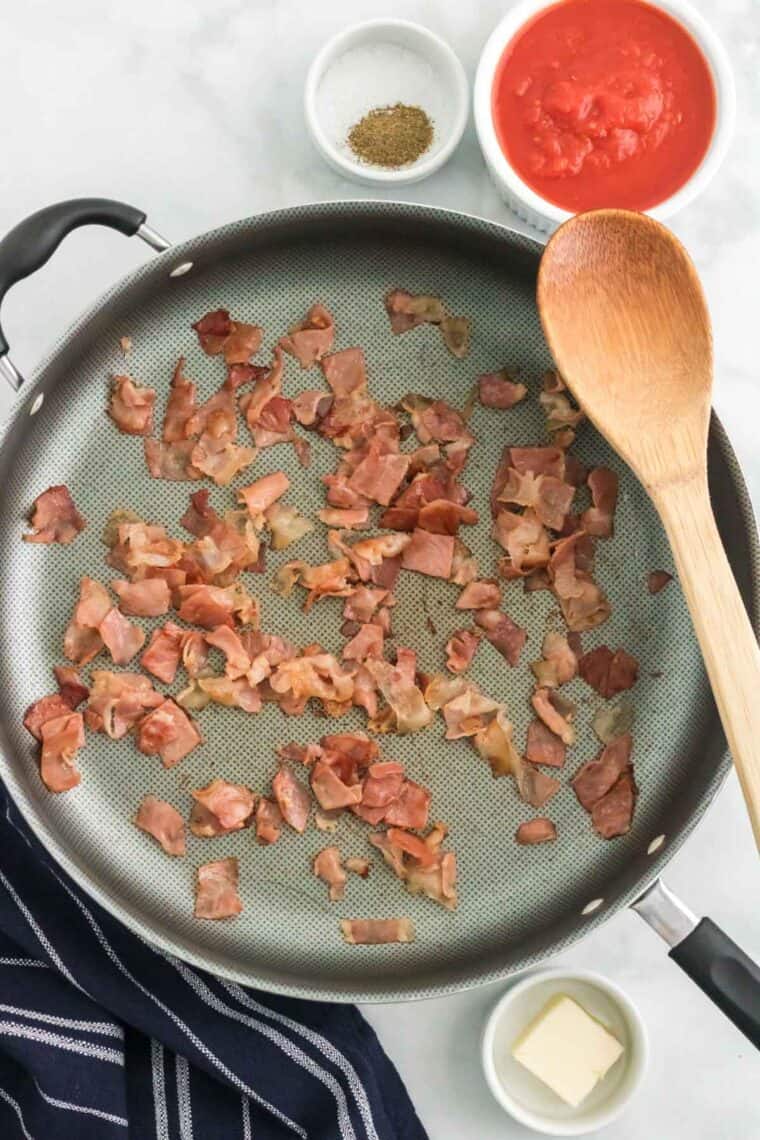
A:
[564, 1051]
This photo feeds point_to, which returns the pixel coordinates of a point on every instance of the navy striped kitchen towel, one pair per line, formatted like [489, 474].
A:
[104, 1038]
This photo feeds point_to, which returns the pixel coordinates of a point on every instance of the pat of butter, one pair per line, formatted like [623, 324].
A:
[567, 1049]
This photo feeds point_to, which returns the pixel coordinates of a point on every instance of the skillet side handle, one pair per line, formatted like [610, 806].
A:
[30, 244]
[719, 967]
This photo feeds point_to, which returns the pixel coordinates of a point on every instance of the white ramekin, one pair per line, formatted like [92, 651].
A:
[449, 73]
[532, 207]
[526, 1098]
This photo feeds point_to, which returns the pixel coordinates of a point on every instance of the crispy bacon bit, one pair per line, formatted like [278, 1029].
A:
[327, 866]
[406, 311]
[382, 784]
[168, 732]
[231, 805]
[468, 712]
[330, 790]
[543, 746]
[344, 518]
[292, 798]
[210, 606]
[235, 340]
[535, 787]
[220, 460]
[180, 406]
[550, 498]
[558, 663]
[430, 554]
[216, 890]
[460, 650]
[164, 652]
[309, 408]
[607, 672]
[62, 737]
[268, 822]
[163, 822]
[538, 461]
[505, 636]
[482, 594]
[367, 642]
[357, 866]
[595, 778]
[612, 814]
[345, 372]
[43, 710]
[122, 639]
[172, 461]
[225, 639]
[237, 693]
[455, 332]
[286, 525]
[598, 519]
[54, 517]
[410, 808]
[397, 685]
[539, 830]
[613, 720]
[657, 580]
[82, 640]
[256, 497]
[376, 931]
[379, 474]
[311, 338]
[498, 390]
[556, 713]
[524, 539]
[70, 685]
[148, 598]
[118, 701]
[131, 406]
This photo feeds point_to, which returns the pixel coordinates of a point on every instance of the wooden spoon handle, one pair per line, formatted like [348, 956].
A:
[728, 643]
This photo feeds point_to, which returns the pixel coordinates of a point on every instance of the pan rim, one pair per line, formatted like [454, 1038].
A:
[400, 988]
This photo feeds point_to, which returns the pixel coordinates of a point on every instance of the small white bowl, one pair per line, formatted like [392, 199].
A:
[531, 206]
[377, 64]
[528, 1099]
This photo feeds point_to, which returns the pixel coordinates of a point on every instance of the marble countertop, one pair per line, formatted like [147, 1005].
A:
[192, 110]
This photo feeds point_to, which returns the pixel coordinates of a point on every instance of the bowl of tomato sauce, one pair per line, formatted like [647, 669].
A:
[585, 104]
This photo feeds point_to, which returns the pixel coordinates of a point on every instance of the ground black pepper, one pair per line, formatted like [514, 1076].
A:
[391, 136]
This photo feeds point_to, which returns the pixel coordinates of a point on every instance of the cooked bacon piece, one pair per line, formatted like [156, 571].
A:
[504, 635]
[243, 342]
[493, 742]
[331, 792]
[412, 845]
[410, 808]
[543, 746]
[613, 720]
[556, 713]
[367, 642]
[163, 822]
[379, 475]
[589, 609]
[345, 372]
[468, 713]
[328, 580]
[70, 685]
[316, 675]
[497, 390]
[436, 421]
[539, 830]
[460, 650]
[612, 814]
[550, 498]
[406, 311]
[455, 332]
[180, 406]
[203, 823]
[598, 519]
[355, 745]
[382, 784]
[482, 594]
[221, 461]
[309, 408]
[397, 684]
[213, 329]
[392, 855]
[131, 406]
[164, 652]
[238, 693]
[311, 338]
[122, 639]
[216, 890]
[376, 931]
[54, 517]
[256, 497]
[148, 598]
[440, 689]
[430, 554]
[142, 548]
[444, 517]
[558, 664]
[327, 866]
[344, 518]
[524, 539]
[327, 820]
[117, 701]
[207, 606]
[273, 423]
[363, 603]
[194, 652]
[292, 798]
[172, 461]
[286, 525]
[168, 732]
[223, 638]
[268, 822]
[657, 580]
[232, 805]
[357, 866]
[241, 374]
[62, 737]
[235, 340]
[535, 787]
[595, 778]
[538, 461]
[370, 554]
[607, 672]
[46, 708]
[437, 882]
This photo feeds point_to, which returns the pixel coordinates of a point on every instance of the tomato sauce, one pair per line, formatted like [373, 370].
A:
[603, 103]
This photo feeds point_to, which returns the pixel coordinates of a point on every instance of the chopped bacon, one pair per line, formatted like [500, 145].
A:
[82, 640]
[256, 497]
[357, 865]
[484, 594]
[331, 792]
[345, 372]
[328, 867]
[441, 516]
[556, 713]
[234, 693]
[218, 335]
[364, 602]
[595, 778]
[406, 311]
[504, 635]
[376, 931]
[232, 805]
[598, 519]
[538, 461]
[367, 642]
[468, 712]
[309, 408]
[524, 539]
[46, 708]
[173, 461]
[131, 406]
[535, 787]
[163, 822]
[558, 664]
[430, 554]
[148, 598]
[379, 475]
[657, 580]
[164, 652]
[118, 701]
[408, 711]
[612, 814]
[221, 460]
[141, 548]
[344, 518]
[382, 784]
[311, 338]
[286, 525]
[241, 374]
[292, 798]
[497, 390]
[493, 742]
[210, 606]
[550, 498]
[455, 332]
[317, 675]
[607, 672]
[268, 822]
[460, 650]
[54, 517]
[62, 737]
[168, 732]
[180, 406]
[238, 662]
[412, 845]
[70, 685]
[410, 808]
[583, 604]
[539, 830]
[216, 890]
[122, 639]
[355, 745]
[543, 746]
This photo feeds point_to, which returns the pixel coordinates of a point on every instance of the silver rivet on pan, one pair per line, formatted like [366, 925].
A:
[181, 269]
[590, 907]
[37, 403]
[656, 844]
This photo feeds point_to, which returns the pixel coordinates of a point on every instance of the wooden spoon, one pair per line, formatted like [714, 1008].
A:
[627, 323]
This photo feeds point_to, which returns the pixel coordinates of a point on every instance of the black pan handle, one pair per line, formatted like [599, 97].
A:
[31, 243]
[719, 967]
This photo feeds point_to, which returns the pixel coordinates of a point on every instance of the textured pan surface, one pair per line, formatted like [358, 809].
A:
[517, 904]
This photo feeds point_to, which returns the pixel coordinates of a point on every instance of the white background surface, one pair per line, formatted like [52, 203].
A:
[192, 111]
